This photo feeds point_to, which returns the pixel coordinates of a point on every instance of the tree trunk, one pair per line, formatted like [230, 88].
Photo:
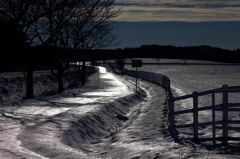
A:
[83, 71]
[60, 78]
[29, 92]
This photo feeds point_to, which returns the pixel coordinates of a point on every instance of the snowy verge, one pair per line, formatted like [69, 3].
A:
[13, 85]
[67, 132]
[98, 125]
[103, 119]
[71, 132]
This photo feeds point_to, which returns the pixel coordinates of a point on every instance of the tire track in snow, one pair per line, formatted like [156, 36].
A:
[147, 135]
[144, 135]
[68, 133]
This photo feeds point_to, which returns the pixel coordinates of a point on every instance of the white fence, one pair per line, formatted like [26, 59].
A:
[152, 77]
[225, 106]
[225, 124]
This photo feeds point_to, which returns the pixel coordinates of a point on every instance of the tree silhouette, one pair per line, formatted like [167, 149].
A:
[10, 36]
[92, 29]
[23, 14]
[62, 27]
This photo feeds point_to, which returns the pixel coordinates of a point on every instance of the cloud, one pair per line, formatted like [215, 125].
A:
[178, 10]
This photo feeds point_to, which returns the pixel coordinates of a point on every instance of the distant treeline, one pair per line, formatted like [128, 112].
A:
[13, 60]
[207, 53]
[50, 34]
[16, 58]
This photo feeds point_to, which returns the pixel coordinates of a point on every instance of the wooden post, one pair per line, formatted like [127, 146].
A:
[225, 116]
[213, 120]
[171, 117]
[195, 116]
[136, 78]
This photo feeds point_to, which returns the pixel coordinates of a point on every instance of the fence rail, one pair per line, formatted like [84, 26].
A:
[158, 79]
[225, 107]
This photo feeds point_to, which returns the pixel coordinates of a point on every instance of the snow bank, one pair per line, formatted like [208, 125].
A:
[105, 118]
[11, 88]
[105, 106]
[104, 123]
[72, 133]
[13, 85]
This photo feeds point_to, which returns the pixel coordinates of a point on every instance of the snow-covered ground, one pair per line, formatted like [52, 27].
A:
[13, 85]
[190, 77]
[39, 127]
[185, 79]
[103, 119]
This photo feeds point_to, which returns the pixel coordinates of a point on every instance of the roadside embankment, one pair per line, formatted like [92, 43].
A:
[85, 117]
[13, 85]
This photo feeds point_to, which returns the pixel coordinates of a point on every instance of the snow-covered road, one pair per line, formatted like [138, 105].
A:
[104, 119]
[34, 128]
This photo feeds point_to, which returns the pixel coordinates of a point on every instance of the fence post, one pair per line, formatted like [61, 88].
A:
[225, 116]
[171, 117]
[136, 78]
[195, 116]
[213, 120]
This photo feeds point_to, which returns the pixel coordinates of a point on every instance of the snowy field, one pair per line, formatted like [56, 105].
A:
[103, 119]
[189, 76]
[185, 79]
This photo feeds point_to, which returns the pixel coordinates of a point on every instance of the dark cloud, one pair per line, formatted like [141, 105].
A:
[175, 10]
[183, 4]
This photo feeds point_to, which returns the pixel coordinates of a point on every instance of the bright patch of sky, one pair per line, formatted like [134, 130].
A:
[178, 10]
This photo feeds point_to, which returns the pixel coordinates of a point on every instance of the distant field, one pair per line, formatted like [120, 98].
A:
[186, 79]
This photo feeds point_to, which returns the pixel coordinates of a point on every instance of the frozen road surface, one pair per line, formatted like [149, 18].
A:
[35, 128]
[103, 119]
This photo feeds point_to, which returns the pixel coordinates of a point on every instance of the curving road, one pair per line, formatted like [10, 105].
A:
[104, 119]
[34, 128]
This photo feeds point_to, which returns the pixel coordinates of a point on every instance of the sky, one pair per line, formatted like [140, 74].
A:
[178, 22]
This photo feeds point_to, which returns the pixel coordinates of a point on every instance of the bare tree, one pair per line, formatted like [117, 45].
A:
[76, 25]
[93, 28]
[60, 25]
[23, 14]
[33, 18]
[55, 33]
